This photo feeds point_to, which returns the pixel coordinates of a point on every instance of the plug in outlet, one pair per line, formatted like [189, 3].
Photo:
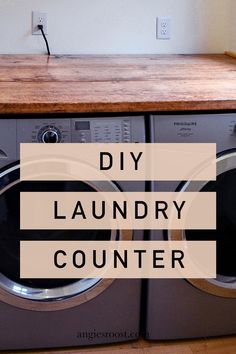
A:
[163, 28]
[39, 18]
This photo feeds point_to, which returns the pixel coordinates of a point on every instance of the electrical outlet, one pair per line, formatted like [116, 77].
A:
[163, 28]
[39, 18]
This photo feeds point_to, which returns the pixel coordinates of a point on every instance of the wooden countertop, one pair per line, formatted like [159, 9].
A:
[38, 84]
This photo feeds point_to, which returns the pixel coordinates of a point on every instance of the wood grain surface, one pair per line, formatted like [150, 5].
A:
[41, 84]
[224, 345]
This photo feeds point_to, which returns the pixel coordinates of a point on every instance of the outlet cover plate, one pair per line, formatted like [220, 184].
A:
[163, 28]
[39, 18]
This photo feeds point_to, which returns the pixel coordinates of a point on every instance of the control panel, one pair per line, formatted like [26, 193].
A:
[102, 131]
[79, 130]
[196, 128]
[44, 130]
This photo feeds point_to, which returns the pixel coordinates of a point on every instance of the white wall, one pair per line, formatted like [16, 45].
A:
[232, 36]
[116, 26]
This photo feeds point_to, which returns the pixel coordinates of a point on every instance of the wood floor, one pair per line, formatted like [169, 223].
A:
[223, 345]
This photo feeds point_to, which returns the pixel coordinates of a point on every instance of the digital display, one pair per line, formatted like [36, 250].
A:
[82, 125]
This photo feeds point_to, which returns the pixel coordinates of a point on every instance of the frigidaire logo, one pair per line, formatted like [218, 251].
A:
[189, 124]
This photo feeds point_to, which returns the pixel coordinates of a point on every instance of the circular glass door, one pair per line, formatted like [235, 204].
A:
[43, 294]
[225, 235]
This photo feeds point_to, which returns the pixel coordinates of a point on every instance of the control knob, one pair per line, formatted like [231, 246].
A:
[49, 135]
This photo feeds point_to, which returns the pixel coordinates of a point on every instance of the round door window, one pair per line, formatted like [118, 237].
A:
[38, 294]
[225, 234]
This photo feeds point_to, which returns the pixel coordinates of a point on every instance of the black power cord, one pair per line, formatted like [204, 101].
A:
[40, 27]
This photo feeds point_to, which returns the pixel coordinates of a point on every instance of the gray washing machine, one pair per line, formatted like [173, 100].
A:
[185, 308]
[37, 313]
